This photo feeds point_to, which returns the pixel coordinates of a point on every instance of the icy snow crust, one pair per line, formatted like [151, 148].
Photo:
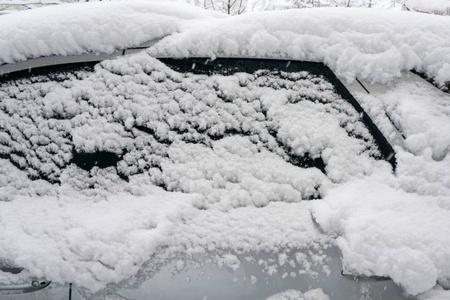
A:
[226, 142]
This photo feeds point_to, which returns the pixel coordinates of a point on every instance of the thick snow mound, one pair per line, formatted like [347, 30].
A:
[370, 44]
[102, 27]
[405, 235]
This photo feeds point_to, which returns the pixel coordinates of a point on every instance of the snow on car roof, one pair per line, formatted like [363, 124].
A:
[95, 228]
[77, 28]
[372, 44]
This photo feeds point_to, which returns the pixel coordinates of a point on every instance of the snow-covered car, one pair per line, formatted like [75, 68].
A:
[275, 155]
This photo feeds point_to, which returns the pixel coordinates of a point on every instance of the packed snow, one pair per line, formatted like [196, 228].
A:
[224, 163]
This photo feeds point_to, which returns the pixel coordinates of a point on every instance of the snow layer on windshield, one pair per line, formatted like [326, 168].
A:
[164, 122]
[102, 27]
[371, 44]
[248, 146]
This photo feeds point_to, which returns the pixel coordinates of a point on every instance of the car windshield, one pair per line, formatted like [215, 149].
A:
[241, 133]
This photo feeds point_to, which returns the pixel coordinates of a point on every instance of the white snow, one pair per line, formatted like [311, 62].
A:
[404, 233]
[224, 147]
[223, 138]
[315, 294]
[399, 226]
[427, 5]
[437, 293]
[371, 44]
[103, 241]
[377, 45]
[74, 29]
